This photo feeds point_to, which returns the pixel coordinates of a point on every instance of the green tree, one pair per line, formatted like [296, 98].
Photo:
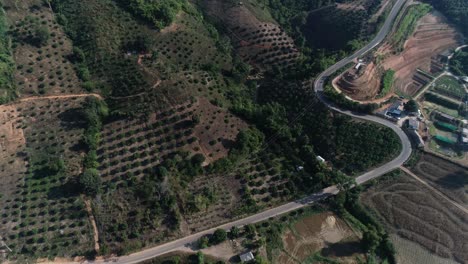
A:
[203, 242]
[42, 35]
[411, 106]
[200, 257]
[234, 232]
[371, 239]
[90, 182]
[220, 235]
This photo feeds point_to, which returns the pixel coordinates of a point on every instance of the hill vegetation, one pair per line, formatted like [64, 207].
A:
[459, 62]
[455, 10]
[408, 24]
[7, 87]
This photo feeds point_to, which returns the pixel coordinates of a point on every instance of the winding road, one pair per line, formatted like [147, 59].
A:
[318, 86]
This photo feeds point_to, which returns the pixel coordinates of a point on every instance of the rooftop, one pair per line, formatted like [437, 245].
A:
[246, 257]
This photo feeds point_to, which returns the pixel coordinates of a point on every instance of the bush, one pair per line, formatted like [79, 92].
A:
[90, 182]
[220, 235]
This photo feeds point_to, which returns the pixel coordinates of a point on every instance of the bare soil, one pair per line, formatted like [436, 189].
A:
[412, 211]
[432, 36]
[323, 232]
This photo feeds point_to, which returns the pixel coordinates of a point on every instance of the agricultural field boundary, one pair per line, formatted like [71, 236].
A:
[454, 203]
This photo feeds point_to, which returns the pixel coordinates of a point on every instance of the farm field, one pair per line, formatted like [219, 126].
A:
[411, 211]
[262, 44]
[418, 60]
[449, 178]
[323, 233]
[42, 64]
[42, 215]
[451, 87]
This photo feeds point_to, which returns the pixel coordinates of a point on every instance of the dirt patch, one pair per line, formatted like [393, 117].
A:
[412, 211]
[421, 55]
[321, 232]
[217, 130]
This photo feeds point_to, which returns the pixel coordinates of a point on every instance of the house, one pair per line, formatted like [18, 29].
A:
[413, 124]
[395, 109]
[246, 257]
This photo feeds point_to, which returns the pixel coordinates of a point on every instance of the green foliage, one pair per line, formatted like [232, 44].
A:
[387, 82]
[408, 24]
[159, 13]
[411, 106]
[220, 235]
[42, 35]
[432, 97]
[455, 10]
[200, 258]
[459, 63]
[342, 101]
[203, 242]
[7, 87]
[90, 182]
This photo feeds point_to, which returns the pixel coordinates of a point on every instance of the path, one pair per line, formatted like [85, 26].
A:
[92, 220]
[454, 203]
[327, 192]
[33, 98]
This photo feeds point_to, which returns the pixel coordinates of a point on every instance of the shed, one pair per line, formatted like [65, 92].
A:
[413, 124]
[246, 257]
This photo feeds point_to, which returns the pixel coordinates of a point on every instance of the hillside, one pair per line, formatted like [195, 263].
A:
[130, 124]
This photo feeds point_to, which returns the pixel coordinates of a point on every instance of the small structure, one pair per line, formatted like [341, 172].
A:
[465, 132]
[413, 124]
[246, 257]
[299, 168]
[417, 139]
[320, 159]
[464, 78]
[395, 109]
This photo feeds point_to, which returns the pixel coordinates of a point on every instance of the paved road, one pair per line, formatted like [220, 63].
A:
[397, 162]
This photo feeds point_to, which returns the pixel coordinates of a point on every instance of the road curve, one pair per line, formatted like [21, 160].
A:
[332, 190]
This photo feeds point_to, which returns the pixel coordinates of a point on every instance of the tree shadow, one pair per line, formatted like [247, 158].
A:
[69, 189]
[72, 119]
[455, 180]
[342, 249]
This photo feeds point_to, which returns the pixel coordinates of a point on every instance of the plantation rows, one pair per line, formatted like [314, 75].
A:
[266, 45]
[135, 147]
[191, 45]
[45, 217]
[42, 67]
[226, 199]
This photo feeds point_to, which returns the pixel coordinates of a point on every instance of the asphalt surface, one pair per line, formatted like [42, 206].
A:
[394, 164]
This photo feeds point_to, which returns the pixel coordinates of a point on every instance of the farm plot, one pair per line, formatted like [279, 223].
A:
[262, 44]
[325, 233]
[449, 86]
[164, 151]
[449, 178]
[412, 211]
[43, 216]
[41, 50]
